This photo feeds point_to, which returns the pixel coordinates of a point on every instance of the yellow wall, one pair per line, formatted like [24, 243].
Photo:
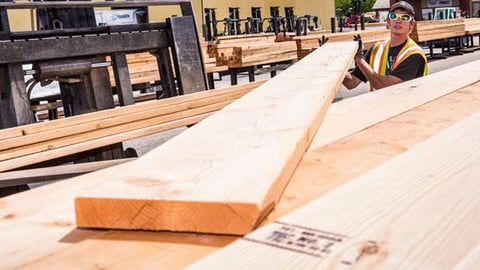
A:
[324, 9]
[20, 20]
[160, 13]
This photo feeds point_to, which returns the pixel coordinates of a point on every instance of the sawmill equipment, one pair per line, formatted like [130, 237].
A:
[314, 20]
[211, 22]
[299, 24]
[66, 53]
[231, 24]
[234, 21]
[255, 22]
[275, 22]
[290, 19]
[72, 49]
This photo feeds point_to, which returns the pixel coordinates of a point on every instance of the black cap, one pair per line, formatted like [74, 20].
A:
[403, 5]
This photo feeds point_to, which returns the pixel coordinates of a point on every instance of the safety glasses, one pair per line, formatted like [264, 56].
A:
[402, 17]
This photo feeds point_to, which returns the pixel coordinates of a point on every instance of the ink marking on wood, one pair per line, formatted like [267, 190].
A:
[308, 241]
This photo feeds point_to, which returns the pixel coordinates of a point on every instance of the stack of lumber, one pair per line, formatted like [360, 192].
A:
[413, 212]
[30, 144]
[210, 60]
[352, 225]
[472, 26]
[438, 29]
[306, 44]
[142, 67]
[360, 138]
[226, 173]
[251, 50]
[41, 110]
[259, 54]
[222, 46]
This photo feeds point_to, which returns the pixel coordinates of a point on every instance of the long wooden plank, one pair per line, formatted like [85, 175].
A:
[23, 135]
[310, 42]
[63, 246]
[46, 140]
[472, 26]
[102, 136]
[239, 159]
[319, 171]
[418, 210]
[398, 99]
[438, 29]
[79, 143]
[95, 116]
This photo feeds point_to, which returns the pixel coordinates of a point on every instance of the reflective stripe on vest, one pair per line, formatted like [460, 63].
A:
[379, 56]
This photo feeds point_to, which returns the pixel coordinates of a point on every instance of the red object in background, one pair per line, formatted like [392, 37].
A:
[350, 21]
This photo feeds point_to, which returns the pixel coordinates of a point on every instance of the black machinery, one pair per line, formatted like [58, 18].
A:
[76, 56]
[254, 23]
[210, 31]
[299, 24]
[231, 25]
[276, 23]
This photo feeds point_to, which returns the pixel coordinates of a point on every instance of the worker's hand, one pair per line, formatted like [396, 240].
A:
[358, 39]
[322, 40]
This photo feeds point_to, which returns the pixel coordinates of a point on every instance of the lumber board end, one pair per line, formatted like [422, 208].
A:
[162, 215]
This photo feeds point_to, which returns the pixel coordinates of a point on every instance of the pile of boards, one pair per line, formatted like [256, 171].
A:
[382, 180]
[306, 44]
[251, 50]
[472, 26]
[143, 67]
[30, 144]
[438, 29]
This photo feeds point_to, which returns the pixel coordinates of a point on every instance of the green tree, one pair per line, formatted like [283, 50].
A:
[367, 5]
[346, 7]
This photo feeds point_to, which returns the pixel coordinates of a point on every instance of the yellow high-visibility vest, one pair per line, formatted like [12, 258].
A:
[379, 56]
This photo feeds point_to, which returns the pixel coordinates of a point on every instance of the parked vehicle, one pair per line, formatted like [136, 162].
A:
[350, 21]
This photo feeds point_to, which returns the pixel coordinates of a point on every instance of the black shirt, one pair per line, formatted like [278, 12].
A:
[410, 68]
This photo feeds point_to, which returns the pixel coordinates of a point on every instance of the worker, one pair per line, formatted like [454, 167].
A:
[394, 60]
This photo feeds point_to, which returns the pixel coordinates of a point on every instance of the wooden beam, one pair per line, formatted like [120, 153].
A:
[14, 107]
[398, 99]
[239, 159]
[82, 142]
[306, 44]
[412, 212]
[113, 126]
[48, 140]
[438, 29]
[321, 170]
[472, 26]
[27, 51]
[29, 134]
[122, 79]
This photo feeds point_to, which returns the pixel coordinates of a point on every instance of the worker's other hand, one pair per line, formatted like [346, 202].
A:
[322, 40]
[358, 39]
